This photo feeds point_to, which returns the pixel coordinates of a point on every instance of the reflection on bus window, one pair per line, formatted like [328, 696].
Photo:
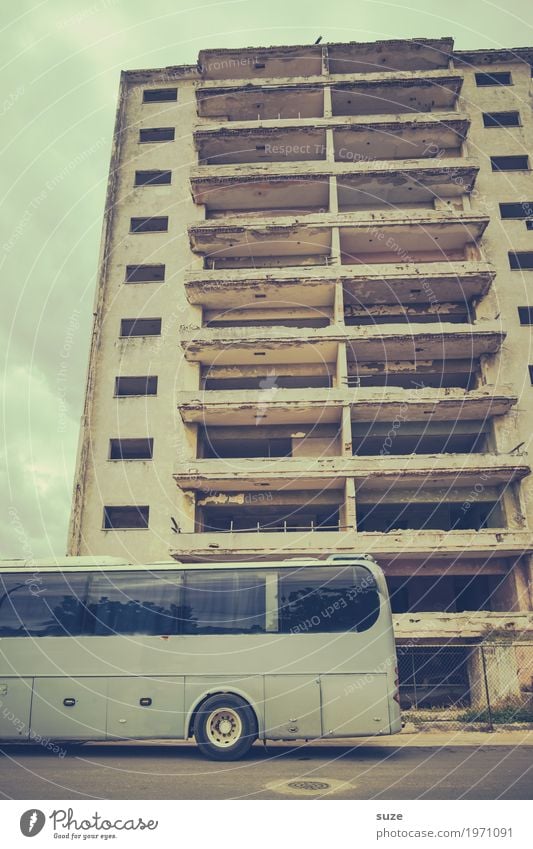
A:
[46, 605]
[312, 600]
[134, 604]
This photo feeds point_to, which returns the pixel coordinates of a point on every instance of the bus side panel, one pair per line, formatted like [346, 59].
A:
[146, 708]
[292, 707]
[355, 705]
[15, 705]
[69, 708]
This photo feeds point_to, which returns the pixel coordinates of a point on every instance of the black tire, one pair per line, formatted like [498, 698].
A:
[225, 727]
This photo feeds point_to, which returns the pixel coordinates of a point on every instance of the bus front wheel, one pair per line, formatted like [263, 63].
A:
[225, 727]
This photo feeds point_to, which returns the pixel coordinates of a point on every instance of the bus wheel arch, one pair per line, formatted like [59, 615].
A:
[225, 725]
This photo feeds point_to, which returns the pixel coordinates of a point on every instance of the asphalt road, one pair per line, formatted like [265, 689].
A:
[178, 771]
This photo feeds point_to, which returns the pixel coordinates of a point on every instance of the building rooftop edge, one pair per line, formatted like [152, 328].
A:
[172, 72]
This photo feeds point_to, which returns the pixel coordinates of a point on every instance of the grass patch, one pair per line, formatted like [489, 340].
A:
[512, 710]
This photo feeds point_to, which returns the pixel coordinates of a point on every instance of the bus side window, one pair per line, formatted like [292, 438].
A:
[224, 602]
[134, 603]
[324, 600]
[44, 604]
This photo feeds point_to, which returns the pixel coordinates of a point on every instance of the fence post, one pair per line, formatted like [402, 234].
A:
[486, 683]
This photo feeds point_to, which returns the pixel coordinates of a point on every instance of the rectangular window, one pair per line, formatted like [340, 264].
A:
[149, 225]
[329, 600]
[42, 604]
[517, 210]
[146, 385]
[159, 95]
[131, 516]
[509, 163]
[225, 602]
[501, 119]
[525, 315]
[145, 273]
[131, 449]
[135, 603]
[157, 134]
[521, 259]
[496, 78]
[529, 224]
[140, 327]
[531, 374]
[153, 178]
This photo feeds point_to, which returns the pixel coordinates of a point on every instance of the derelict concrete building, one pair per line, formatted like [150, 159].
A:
[313, 323]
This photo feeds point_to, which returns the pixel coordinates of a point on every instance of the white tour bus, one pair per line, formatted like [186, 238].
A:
[97, 649]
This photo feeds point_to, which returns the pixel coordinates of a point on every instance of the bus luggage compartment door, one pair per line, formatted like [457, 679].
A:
[69, 708]
[146, 708]
[15, 701]
[292, 707]
[354, 705]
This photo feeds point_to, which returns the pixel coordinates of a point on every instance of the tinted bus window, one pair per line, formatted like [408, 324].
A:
[46, 604]
[136, 603]
[224, 603]
[327, 600]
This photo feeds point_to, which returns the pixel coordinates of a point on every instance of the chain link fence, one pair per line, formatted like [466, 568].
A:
[477, 684]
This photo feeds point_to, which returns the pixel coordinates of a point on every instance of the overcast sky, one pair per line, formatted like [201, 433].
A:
[60, 70]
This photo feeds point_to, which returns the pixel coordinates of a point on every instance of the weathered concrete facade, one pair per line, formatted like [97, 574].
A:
[320, 321]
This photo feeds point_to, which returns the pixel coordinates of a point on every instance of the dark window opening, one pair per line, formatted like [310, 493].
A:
[428, 515]
[149, 225]
[282, 382]
[140, 327]
[521, 259]
[509, 163]
[529, 224]
[131, 449]
[153, 178]
[256, 514]
[501, 119]
[525, 315]
[349, 596]
[157, 134]
[159, 95]
[146, 385]
[496, 78]
[145, 273]
[126, 517]
[446, 593]
[516, 210]
[531, 374]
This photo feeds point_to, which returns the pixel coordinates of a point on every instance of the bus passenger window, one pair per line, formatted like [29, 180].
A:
[230, 602]
[327, 600]
[44, 604]
[134, 603]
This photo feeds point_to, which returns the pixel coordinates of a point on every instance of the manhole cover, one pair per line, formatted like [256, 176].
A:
[308, 785]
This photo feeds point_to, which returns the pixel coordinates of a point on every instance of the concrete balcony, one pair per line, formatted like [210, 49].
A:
[304, 406]
[373, 474]
[384, 93]
[304, 187]
[399, 138]
[250, 345]
[434, 551]
[365, 238]
[378, 283]
[301, 61]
